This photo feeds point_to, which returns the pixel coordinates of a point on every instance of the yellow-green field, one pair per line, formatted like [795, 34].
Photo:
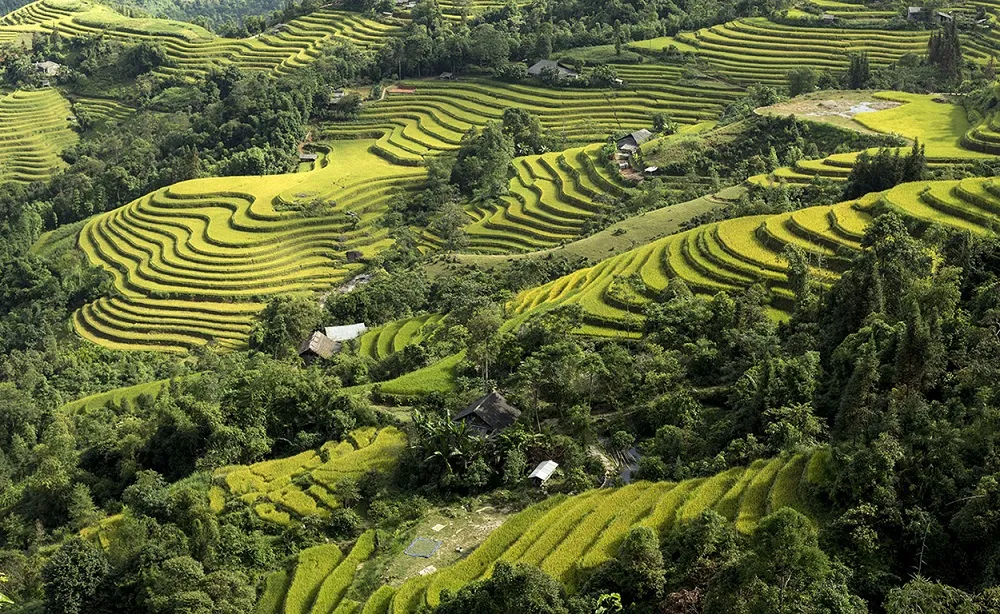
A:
[193, 262]
[757, 50]
[304, 485]
[428, 116]
[35, 128]
[191, 48]
[941, 125]
[569, 536]
[731, 255]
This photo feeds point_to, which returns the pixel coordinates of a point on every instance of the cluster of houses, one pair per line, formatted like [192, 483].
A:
[402, 5]
[538, 69]
[486, 417]
[914, 13]
[627, 148]
[921, 13]
[490, 415]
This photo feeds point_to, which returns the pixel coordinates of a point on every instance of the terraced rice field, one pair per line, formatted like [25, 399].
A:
[435, 116]
[984, 42]
[984, 137]
[103, 111]
[731, 255]
[568, 536]
[852, 10]
[454, 9]
[35, 128]
[191, 48]
[756, 50]
[319, 582]
[550, 198]
[385, 340]
[276, 489]
[194, 261]
[942, 127]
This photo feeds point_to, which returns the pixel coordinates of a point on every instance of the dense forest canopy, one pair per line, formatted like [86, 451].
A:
[452, 306]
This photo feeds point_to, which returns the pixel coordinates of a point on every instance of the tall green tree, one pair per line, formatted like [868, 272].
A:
[784, 571]
[284, 324]
[511, 588]
[72, 578]
[483, 161]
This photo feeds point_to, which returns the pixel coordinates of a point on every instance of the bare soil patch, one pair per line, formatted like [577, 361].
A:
[836, 108]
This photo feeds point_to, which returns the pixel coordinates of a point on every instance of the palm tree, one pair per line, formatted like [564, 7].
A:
[446, 442]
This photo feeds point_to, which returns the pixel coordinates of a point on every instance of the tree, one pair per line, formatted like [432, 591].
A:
[664, 124]
[603, 76]
[284, 324]
[859, 72]
[622, 440]
[884, 170]
[480, 169]
[696, 551]
[511, 588]
[489, 48]
[449, 222]
[791, 427]
[801, 81]
[921, 596]
[636, 572]
[483, 341]
[72, 577]
[525, 131]
[801, 579]
[944, 49]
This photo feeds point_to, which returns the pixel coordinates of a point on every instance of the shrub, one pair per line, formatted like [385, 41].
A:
[344, 523]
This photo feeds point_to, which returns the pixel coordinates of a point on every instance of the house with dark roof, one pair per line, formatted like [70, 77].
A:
[632, 142]
[489, 414]
[536, 69]
[317, 346]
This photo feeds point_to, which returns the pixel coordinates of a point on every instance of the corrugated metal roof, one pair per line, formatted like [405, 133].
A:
[345, 333]
[544, 470]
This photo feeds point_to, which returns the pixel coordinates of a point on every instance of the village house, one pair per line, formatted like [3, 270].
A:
[315, 347]
[340, 334]
[324, 344]
[48, 67]
[632, 142]
[539, 67]
[489, 414]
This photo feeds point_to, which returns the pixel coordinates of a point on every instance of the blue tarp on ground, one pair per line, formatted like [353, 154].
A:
[423, 547]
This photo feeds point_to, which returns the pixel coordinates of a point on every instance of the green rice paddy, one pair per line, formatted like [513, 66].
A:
[304, 485]
[731, 255]
[942, 126]
[193, 49]
[35, 127]
[757, 50]
[569, 536]
[425, 117]
[193, 262]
